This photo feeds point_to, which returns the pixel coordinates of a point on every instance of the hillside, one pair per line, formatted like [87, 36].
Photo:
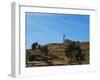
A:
[53, 54]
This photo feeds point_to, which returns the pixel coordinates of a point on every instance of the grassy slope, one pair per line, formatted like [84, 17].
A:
[56, 52]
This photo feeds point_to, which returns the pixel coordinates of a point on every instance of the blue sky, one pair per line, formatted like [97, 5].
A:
[50, 28]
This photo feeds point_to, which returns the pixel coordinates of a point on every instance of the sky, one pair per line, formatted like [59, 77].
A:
[49, 28]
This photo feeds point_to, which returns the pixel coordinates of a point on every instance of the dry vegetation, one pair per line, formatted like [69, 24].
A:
[66, 53]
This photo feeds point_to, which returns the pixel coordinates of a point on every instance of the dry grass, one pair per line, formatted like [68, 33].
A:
[57, 54]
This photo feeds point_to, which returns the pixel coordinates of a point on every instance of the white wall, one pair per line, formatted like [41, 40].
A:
[5, 42]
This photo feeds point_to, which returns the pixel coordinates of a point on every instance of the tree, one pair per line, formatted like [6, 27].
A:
[74, 52]
[79, 56]
[34, 46]
[69, 50]
[39, 47]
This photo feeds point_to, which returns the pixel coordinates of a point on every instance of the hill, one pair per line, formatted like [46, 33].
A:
[54, 54]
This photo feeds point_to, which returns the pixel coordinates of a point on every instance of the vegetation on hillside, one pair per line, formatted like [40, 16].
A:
[66, 53]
